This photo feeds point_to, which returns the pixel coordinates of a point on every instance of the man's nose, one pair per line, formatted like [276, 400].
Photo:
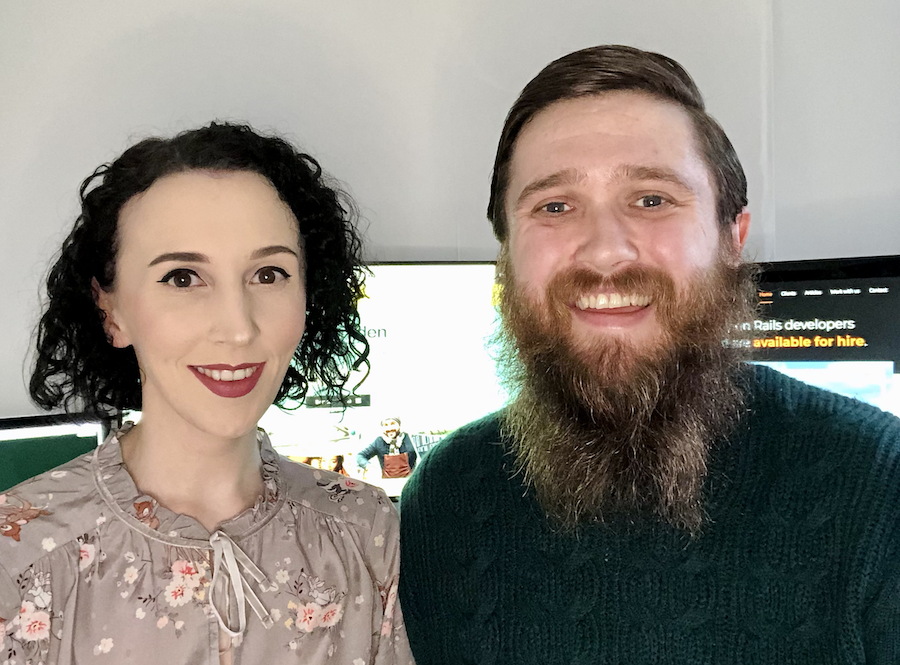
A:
[607, 241]
[233, 318]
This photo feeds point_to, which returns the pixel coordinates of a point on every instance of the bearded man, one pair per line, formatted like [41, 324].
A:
[646, 496]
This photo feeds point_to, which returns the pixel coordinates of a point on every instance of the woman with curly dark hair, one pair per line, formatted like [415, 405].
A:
[208, 276]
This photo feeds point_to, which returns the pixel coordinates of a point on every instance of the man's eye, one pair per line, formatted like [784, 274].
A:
[650, 201]
[269, 275]
[555, 207]
[181, 278]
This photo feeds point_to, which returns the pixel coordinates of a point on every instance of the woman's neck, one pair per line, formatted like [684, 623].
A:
[194, 473]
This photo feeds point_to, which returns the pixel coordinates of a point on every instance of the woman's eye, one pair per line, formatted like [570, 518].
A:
[181, 278]
[555, 207]
[269, 275]
[650, 201]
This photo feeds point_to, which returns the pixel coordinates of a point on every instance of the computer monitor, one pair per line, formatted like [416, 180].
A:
[429, 327]
[834, 323]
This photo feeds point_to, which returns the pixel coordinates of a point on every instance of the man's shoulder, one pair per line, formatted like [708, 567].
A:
[472, 450]
[477, 432]
[802, 403]
[478, 438]
[794, 415]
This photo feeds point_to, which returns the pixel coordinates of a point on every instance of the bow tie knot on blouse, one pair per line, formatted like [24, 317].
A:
[230, 564]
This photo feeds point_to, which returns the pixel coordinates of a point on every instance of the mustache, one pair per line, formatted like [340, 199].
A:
[567, 286]
[644, 280]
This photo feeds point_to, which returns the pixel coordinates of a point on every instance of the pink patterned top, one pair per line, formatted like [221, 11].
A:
[92, 569]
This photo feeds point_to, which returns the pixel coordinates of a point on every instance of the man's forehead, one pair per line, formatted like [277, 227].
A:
[627, 109]
[625, 134]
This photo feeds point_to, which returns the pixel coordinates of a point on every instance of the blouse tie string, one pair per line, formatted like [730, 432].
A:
[226, 574]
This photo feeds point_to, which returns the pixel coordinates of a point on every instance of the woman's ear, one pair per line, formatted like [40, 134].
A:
[106, 301]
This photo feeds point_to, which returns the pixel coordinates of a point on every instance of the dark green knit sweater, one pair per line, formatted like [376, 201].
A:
[800, 562]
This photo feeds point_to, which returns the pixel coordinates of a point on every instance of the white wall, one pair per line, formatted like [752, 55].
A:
[404, 101]
[836, 128]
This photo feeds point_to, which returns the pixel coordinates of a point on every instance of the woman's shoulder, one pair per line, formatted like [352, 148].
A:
[47, 512]
[332, 494]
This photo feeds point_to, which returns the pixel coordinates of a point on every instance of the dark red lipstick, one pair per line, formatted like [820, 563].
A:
[229, 388]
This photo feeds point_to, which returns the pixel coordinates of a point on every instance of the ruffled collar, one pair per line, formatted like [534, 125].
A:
[144, 514]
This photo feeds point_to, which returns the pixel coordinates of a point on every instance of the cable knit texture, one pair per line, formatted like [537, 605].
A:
[799, 563]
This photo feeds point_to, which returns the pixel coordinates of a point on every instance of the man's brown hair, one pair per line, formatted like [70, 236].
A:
[600, 69]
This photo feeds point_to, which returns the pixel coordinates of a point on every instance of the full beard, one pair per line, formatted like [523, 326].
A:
[606, 429]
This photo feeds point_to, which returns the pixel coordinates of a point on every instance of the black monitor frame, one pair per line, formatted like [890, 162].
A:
[48, 420]
[819, 269]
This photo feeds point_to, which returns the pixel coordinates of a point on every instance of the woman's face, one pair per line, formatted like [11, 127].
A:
[210, 291]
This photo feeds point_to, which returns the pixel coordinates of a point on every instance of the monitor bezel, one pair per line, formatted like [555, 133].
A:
[861, 267]
[793, 270]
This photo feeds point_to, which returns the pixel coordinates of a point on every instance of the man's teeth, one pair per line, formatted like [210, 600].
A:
[612, 301]
[227, 374]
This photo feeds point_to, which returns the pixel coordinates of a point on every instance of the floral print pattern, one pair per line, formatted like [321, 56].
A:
[326, 546]
[27, 635]
[189, 581]
[15, 513]
[186, 583]
[313, 605]
[340, 488]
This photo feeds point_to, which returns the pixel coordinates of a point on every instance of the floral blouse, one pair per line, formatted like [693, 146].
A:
[91, 570]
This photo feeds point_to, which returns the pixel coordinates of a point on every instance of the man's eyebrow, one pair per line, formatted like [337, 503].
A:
[197, 257]
[564, 177]
[635, 172]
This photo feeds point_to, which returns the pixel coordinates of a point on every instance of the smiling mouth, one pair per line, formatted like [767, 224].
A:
[229, 380]
[612, 301]
[239, 374]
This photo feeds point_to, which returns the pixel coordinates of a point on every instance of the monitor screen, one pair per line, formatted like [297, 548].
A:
[429, 327]
[834, 323]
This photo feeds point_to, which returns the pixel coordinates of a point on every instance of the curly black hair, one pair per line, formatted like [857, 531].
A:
[76, 367]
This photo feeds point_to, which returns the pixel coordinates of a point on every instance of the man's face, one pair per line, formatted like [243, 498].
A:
[391, 428]
[609, 196]
[619, 287]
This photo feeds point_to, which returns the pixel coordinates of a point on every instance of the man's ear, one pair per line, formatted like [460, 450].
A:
[106, 301]
[739, 229]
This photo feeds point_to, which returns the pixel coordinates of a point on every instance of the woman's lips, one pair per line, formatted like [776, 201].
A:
[234, 388]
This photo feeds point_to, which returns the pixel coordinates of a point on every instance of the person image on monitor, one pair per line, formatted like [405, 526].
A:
[394, 449]
[336, 464]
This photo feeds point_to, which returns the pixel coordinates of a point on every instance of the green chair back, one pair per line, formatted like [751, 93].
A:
[20, 459]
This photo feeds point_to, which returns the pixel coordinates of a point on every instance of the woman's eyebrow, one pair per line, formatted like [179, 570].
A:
[197, 257]
[187, 257]
[272, 249]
